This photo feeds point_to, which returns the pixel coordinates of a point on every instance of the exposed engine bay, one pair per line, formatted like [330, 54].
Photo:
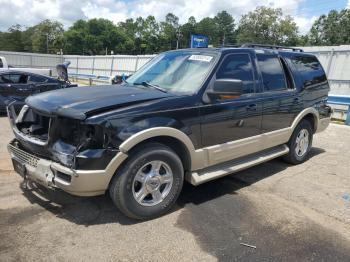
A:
[57, 138]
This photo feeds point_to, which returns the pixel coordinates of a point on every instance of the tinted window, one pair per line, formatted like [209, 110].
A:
[5, 79]
[272, 72]
[1, 63]
[238, 66]
[37, 79]
[310, 70]
[18, 79]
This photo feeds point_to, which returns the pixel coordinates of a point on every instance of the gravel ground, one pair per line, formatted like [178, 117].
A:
[288, 213]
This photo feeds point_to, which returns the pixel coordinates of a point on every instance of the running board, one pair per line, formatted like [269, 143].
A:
[217, 171]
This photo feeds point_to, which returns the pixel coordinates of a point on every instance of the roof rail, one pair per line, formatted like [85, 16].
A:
[227, 45]
[273, 47]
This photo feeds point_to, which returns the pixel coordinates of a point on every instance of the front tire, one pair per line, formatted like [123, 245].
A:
[149, 183]
[300, 143]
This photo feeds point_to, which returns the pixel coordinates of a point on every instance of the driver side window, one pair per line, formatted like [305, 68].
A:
[238, 66]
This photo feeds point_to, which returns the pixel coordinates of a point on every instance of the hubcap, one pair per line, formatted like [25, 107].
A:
[152, 183]
[302, 142]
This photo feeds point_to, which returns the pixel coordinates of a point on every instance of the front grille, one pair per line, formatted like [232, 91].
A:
[23, 156]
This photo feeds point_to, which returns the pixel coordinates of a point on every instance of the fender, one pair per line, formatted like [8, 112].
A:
[196, 155]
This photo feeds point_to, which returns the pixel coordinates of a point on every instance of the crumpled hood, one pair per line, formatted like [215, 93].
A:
[80, 102]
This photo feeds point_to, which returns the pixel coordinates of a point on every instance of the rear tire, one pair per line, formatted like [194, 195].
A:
[300, 143]
[149, 183]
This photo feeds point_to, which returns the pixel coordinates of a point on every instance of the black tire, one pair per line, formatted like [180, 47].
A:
[121, 187]
[292, 157]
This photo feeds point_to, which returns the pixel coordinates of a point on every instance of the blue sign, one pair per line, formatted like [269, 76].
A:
[200, 41]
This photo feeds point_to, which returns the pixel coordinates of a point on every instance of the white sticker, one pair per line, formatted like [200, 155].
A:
[202, 58]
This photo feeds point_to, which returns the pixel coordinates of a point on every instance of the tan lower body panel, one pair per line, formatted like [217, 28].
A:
[217, 154]
[214, 172]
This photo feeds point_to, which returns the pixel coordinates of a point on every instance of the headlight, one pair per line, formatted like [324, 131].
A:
[64, 153]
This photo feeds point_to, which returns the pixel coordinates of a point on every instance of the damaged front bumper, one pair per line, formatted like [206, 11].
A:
[54, 175]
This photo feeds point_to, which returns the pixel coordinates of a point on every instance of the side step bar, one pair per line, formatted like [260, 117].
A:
[217, 171]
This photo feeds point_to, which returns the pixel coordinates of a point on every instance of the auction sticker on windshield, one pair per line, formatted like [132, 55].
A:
[202, 58]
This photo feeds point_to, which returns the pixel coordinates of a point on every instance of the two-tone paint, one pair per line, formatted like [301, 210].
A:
[202, 132]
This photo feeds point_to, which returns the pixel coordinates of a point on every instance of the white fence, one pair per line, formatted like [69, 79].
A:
[335, 60]
[106, 65]
[88, 65]
[17, 59]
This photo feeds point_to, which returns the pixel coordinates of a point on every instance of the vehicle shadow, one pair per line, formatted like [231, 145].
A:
[101, 210]
[232, 183]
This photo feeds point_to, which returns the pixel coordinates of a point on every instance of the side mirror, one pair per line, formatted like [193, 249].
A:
[226, 89]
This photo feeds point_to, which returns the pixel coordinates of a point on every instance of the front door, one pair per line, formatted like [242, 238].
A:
[232, 119]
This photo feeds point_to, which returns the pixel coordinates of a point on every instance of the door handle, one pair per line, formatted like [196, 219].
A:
[252, 107]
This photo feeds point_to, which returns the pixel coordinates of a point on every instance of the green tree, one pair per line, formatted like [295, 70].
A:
[74, 38]
[129, 29]
[94, 37]
[169, 30]
[331, 29]
[208, 27]
[226, 28]
[267, 26]
[12, 40]
[149, 32]
[187, 30]
[46, 37]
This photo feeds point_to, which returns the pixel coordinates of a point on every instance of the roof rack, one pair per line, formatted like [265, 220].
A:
[273, 47]
[228, 45]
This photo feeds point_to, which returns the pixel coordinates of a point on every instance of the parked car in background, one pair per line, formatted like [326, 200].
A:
[4, 66]
[18, 85]
[193, 114]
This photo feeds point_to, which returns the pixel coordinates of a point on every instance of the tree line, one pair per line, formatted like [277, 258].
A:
[147, 35]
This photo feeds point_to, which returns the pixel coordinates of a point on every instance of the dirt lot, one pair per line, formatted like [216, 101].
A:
[290, 213]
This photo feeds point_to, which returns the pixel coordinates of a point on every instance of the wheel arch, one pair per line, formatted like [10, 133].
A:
[310, 114]
[171, 137]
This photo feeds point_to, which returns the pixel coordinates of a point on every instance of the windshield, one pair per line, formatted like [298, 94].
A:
[179, 72]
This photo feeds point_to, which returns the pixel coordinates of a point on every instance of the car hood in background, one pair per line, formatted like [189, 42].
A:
[80, 102]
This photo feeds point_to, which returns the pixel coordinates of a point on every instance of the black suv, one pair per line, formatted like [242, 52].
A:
[194, 114]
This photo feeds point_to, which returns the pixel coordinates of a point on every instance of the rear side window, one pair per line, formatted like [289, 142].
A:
[37, 79]
[5, 79]
[272, 72]
[18, 79]
[1, 63]
[310, 70]
[238, 66]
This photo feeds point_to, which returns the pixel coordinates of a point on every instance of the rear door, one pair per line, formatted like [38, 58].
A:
[5, 83]
[4, 86]
[42, 83]
[18, 88]
[281, 100]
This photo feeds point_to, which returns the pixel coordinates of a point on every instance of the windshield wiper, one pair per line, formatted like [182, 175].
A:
[147, 84]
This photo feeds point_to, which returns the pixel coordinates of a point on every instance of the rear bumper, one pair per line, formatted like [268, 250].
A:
[53, 175]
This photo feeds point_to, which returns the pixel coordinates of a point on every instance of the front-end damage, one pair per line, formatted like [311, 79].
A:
[58, 152]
